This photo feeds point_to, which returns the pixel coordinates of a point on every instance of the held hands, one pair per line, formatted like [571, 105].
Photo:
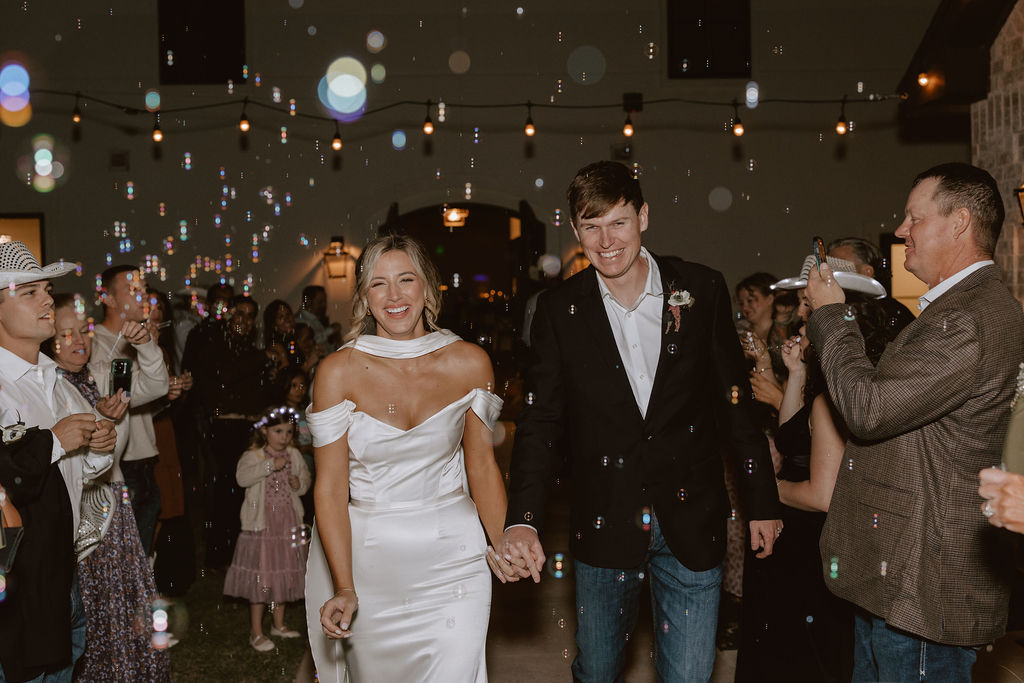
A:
[519, 554]
[113, 407]
[822, 288]
[135, 333]
[763, 534]
[1004, 498]
[293, 481]
[336, 614]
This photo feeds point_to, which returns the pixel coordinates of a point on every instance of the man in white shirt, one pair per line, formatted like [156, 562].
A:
[638, 379]
[32, 395]
[122, 334]
[904, 539]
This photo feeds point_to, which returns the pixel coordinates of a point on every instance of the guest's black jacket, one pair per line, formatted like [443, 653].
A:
[580, 406]
[35, 617]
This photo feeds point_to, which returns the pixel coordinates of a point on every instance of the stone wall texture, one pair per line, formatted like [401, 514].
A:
[997, 140]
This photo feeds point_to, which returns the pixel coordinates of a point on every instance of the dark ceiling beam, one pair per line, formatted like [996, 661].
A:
[954, 54]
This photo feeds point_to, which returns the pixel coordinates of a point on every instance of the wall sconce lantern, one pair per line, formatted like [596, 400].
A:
[455, 217]
[336, 259]
[1020, 200]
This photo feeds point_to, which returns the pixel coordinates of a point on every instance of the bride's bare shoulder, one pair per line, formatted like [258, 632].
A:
[471, 363]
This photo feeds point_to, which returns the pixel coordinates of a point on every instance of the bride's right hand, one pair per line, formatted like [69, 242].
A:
[336, 614]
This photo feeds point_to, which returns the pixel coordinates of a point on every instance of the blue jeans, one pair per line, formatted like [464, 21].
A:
[881, 653]
[78, 624]
[684, 604]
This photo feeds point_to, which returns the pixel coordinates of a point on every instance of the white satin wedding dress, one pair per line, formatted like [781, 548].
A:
[417, 543]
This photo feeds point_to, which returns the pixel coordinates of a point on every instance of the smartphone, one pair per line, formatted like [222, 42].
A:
[120, 375]
[818, 249]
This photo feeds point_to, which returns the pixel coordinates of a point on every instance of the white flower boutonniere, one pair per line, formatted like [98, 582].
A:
[678, 301]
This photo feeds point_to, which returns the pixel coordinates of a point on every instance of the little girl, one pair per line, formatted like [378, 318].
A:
[269, 565]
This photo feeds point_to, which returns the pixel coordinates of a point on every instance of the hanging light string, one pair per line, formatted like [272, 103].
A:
[248, 104]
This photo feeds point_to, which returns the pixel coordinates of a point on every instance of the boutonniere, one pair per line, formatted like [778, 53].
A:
[1020, 387]
[678, 301]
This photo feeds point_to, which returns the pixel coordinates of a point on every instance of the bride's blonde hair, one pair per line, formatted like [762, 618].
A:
[362, 320]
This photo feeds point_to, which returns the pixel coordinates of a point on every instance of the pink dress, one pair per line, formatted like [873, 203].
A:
[270, 565]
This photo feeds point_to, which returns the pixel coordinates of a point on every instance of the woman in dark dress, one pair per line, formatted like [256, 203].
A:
[793, 628]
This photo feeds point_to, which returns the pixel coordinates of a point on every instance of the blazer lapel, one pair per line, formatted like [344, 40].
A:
[669, 333]
[591, 310]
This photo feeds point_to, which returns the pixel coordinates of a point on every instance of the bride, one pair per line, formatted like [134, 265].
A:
[401, 420]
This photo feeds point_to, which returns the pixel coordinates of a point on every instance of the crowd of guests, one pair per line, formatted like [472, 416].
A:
[108, 474]
[125, 439]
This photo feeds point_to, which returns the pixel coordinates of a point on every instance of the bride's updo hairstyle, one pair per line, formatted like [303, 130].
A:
[362, 320]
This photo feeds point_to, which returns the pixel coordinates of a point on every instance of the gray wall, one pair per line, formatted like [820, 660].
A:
[798, 184]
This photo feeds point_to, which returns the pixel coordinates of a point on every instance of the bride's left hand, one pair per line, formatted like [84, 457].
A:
[501, 568]
[336, 614]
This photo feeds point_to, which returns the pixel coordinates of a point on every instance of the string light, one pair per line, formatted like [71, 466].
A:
[336, 141]
[529, 129]
[428, 123]
[841, 125]
[923, 79]
[158, 135]
[737, 124]
[243, 122]
[632, 102]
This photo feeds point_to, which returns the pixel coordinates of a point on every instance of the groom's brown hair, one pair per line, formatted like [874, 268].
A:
[600, 186]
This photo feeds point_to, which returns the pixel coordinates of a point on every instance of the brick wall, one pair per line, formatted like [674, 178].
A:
[997, 140]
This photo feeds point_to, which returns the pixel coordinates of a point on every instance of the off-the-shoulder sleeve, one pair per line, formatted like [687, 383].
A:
[487, 407]
[330, 424]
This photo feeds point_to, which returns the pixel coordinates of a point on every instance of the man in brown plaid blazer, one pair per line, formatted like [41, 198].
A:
[905, 539]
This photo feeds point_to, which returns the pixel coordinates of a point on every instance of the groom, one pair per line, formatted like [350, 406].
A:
[638, 378]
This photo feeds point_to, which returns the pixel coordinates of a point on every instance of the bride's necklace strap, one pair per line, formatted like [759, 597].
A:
[403, 348]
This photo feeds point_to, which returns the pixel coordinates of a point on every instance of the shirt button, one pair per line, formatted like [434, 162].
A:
[629, 315]
[634, 346]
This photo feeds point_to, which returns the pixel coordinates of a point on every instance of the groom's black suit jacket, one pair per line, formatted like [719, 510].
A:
[580, 406]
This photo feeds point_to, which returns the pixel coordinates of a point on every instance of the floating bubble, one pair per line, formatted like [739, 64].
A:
[14, 82]
[885, 567]
[152, 100]
[459, 591]
[753, 94]
[450, 622]
[874, 520]
[398, 140]
[734, 396]
[621, 577]
[295, 4]
[682, 495]
[311, 30]
[378, 73]
[459, 62]
[749, 466]
[720, 198]
[645, 521]
[557, 565]
[599, 522]
[586, 65]
[529, 398]
[538, 183]
[810, 619]
[850, 316]
[572, 309]
[549, 264]
[300, 535]
[651, 51]
[528, 516]
[605, 460]
[499, 434]
[672, 349]
[375, 41]
[833, 568]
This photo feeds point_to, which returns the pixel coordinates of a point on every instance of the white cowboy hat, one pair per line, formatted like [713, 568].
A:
[843, 271]
[18, 265]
